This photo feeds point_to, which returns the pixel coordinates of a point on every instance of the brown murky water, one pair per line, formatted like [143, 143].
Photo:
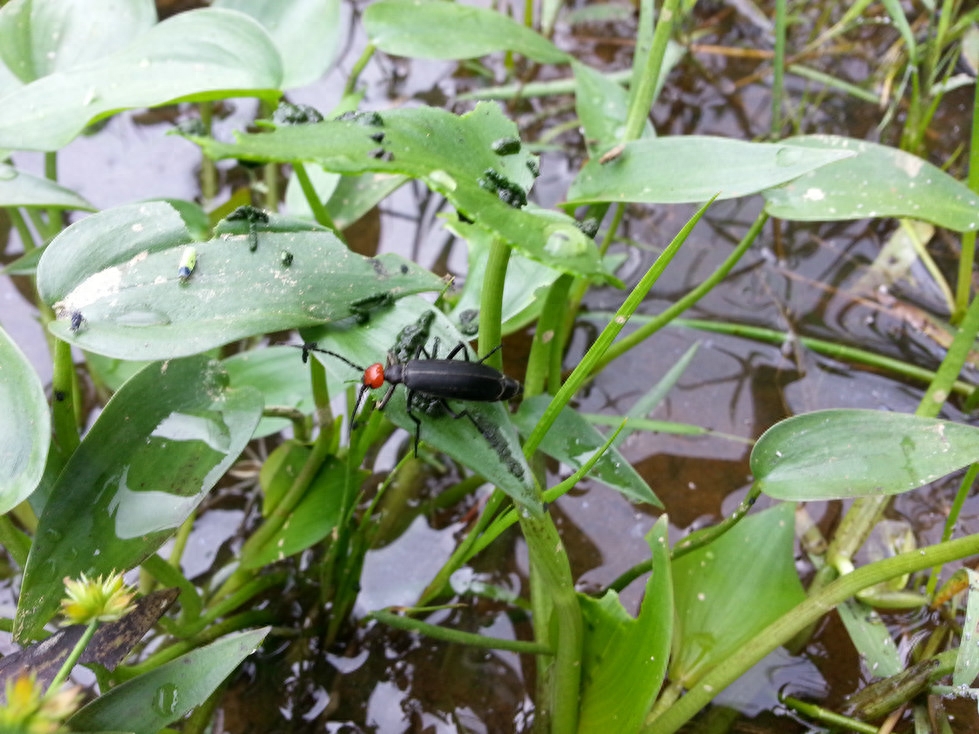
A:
[805, 283]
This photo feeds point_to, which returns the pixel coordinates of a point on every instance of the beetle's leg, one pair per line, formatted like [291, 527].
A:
[456, 349]
[386, 398]
[409, 409]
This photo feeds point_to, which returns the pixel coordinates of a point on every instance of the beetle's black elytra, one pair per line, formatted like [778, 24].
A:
[429, 379]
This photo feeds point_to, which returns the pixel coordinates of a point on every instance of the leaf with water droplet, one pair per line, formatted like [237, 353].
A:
[839, 454]
[692, 169]
[117, 269]
[160, 444]
[148, 703]
[875, 181]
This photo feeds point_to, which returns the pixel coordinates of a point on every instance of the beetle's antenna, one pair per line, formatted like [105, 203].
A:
[311, 347]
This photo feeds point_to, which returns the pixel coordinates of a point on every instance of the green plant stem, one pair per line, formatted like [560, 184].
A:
[778, 68]
[544, 350]
[168, 575]
[63, 404]
[491, 302]
[180, 540]
[351, 86]
[783, 629]
[828, 349]
[23, 231]
[557, 619]
[589, 362]
[828, 717]
[209, 172]
[463, 551]
[269, 529]
[690, 543]
[458, 637]
[950, 368]
[641, 96]
[320, 214]
[509, 518]
[54, 214]
[76, 652]
[16, 543]
[552, 87]
[968, 254]
[658, 322]
[965, 488]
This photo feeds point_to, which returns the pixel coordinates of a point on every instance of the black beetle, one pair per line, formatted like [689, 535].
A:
[438, 379]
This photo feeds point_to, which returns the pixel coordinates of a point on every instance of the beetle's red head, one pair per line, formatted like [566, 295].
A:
[374, 376]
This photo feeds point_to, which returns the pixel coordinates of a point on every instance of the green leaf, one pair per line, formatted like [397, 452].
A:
[119, 269]
[439, 30]
[870, 637]
[524, 289]
[693, 168]
[347, 198]
[318, 512]
[198, 55]
[875, 181]
[23, 189]
[453, 155]
[305, 32]
[279, 376]
[156, 449]
[149, 702]
[834, 454]
[967, 660]
[41, 37]
[602, 105]
[624, 659]
[492, 450]
[572, 440]
[25, 431]
[731, 589]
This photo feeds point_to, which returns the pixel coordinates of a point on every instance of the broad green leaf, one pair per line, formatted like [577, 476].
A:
[148, 703]
[967, 660]
[305, 32]
[41, 37]
[279, 376]
[693, 168]
[874, 181]
[119, 270]
[834, 454]
[22, 189]
[731, 589]
[870, 637]
[438, 30]
[492, 449]
[456, 156]
[624, 659]
[156, 449]
[524, 289]
[318, 512]
[25, 431]
[572, 440]
[602, 106]
[193, 56]
[347, 198]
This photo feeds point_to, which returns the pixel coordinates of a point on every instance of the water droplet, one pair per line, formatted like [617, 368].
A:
[565, 243]
[441, 178]
[788, 155]
[166, 699]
